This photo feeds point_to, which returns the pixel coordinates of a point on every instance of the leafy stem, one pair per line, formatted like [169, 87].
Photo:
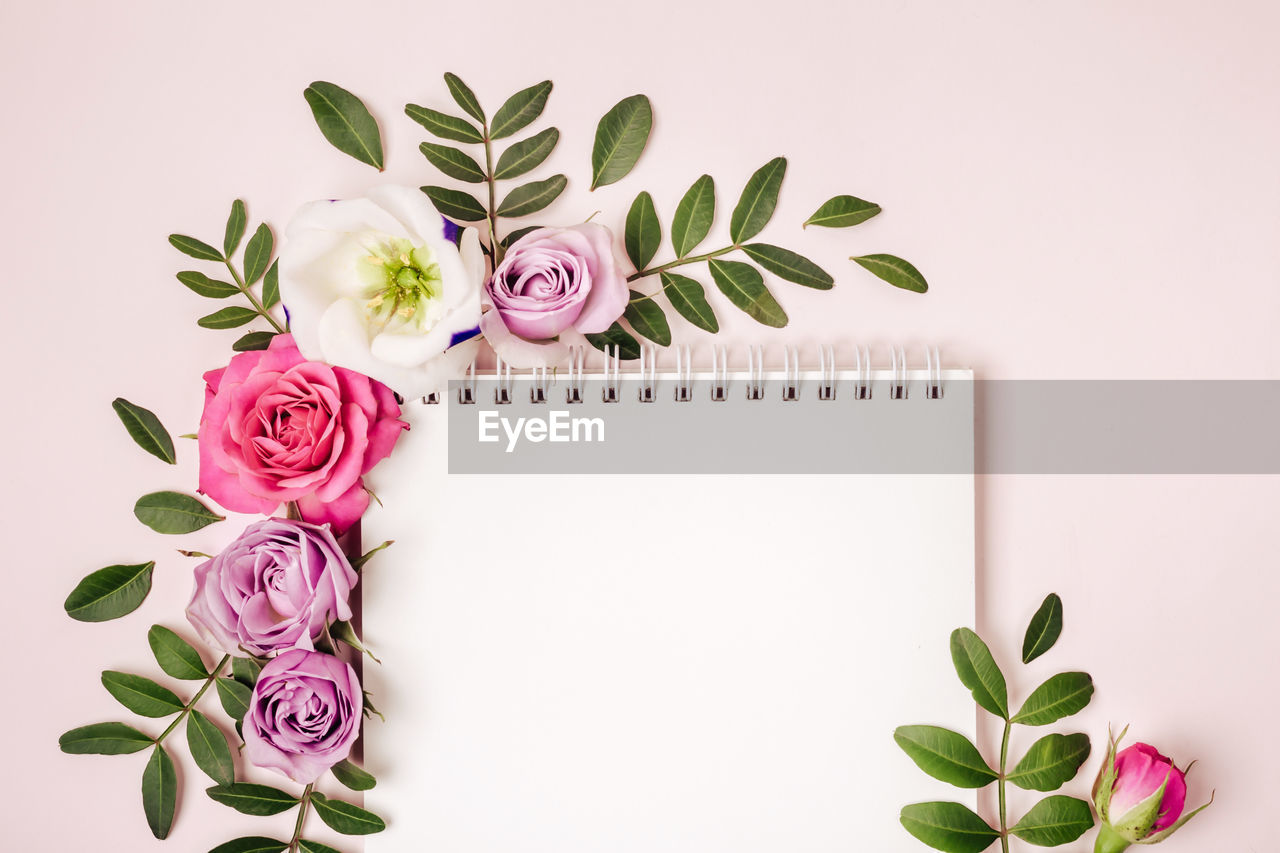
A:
[303, 806]
[679, 262]
[491, 213]
[1004, 758]
[253, 300]
[186, 710]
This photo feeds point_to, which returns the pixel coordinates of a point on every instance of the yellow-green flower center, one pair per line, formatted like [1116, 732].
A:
[402, 283]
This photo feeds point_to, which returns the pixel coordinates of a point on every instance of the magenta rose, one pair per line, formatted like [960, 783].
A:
[304, 715]
[274, 588]
[552, 281]
[1140, 796]
[279, 428]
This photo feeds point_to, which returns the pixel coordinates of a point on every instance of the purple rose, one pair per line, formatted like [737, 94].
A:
[304, 715]
[552, 281]
[274, 588]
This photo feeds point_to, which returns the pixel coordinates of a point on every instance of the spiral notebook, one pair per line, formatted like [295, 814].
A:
[668, 607]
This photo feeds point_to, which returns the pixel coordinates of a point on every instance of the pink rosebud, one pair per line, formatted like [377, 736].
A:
[1140, 796]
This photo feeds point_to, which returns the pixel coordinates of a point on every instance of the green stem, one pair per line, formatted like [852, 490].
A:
[303, 805]
[248, 294]
[1004, 757]
[208, 682]
[495, 248]
[1109, 841]
[679, 262]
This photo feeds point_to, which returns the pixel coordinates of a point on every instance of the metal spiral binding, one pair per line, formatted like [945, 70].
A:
[719, 374]
[755, 373]
[467, 393]
[539, 385]
[791, 374]
[898, 384]
[862, 366]
[827, 369]
[577, 361]
[502, 373]
[610, 391]
[684, 374]
[933, 361]
[649, 377]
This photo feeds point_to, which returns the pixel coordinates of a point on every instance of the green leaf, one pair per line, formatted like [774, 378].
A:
[646, 317]
[145, 429]
[355, 778]
[744, 286]
[1061, 696]
[1044, 630]
[160, 792]
[345, 121]
[1053, 821]
[615, 335]
[643, 231]
[253, 341]
[690, 301]
[526, 155]
[209, 749]
[519, 110]
[758, 200]
[894, 270]
[228, 318]
[978, 672]
[197, 249]
[211, 288]
[271, 285]
[172, 512]
[104, 739]
[346, 818]
[464, 97]
[620, 139]
[314, 847]
[842, 212]
[1051, 762]
[175, 655]
[455, 204]
[250, 799]
[788, 265]
[694, 215]
[234, 696]
[454, 163]
[514, 237]
[945, 755]
[949, 827]
[109, 593]
[236, 223]
[443, 125]
[245, 671]
[532, 197]
[251, 844]
[257, 254]
[141, 695]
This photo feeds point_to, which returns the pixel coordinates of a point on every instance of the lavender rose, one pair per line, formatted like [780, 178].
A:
[304, 715]
[274, 588]
[552, 281]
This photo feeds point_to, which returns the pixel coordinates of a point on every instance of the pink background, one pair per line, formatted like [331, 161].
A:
[1092, 189]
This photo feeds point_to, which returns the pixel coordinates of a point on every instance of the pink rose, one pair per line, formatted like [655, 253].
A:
[552, 281]
[1140, 797]
[304, 715]
[274, 588]
[278, 428]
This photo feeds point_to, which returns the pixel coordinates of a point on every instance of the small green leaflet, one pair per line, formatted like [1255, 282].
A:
[145, 429]
[253, 341]
[141, 695]
[694, 215]
[758, 200]
[1051, 762]
[643, 231]
[346, 818]
[689, 299]
[345, 122]
[1044, 629]
[257, 800]
[978, 671]
[109, 593]
[194, 248]
[1053, 821]
[455, 204]
[1061, 696]
[236, 223]
[948, 826]
[210, 288]
[209, 749]
[945, 755]
[463, 96]
[621, 137]
[245, 671]
[251, 844]
[175, 655]
[173, 513]
[454, 163]
[314, 847]
[615, 335]
[257, 254]
[745, 287]
[234, 696]
[842, 211]
[355, 778]
[227, 318]
[520, 110]
[532, 197]
[271, 286]
[104, 739]
[788, 265]
[526, 155]
[646, 317]
[894, 270]
[443, 125]
[160, 792]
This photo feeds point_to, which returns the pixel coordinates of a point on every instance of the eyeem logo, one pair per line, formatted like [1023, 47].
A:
[558, 427]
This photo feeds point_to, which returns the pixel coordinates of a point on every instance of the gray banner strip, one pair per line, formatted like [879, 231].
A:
[1127, 427]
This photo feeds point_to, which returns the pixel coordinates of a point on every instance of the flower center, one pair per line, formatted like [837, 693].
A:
[403, 285]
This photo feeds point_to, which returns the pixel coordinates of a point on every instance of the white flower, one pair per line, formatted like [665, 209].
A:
[378, 286]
